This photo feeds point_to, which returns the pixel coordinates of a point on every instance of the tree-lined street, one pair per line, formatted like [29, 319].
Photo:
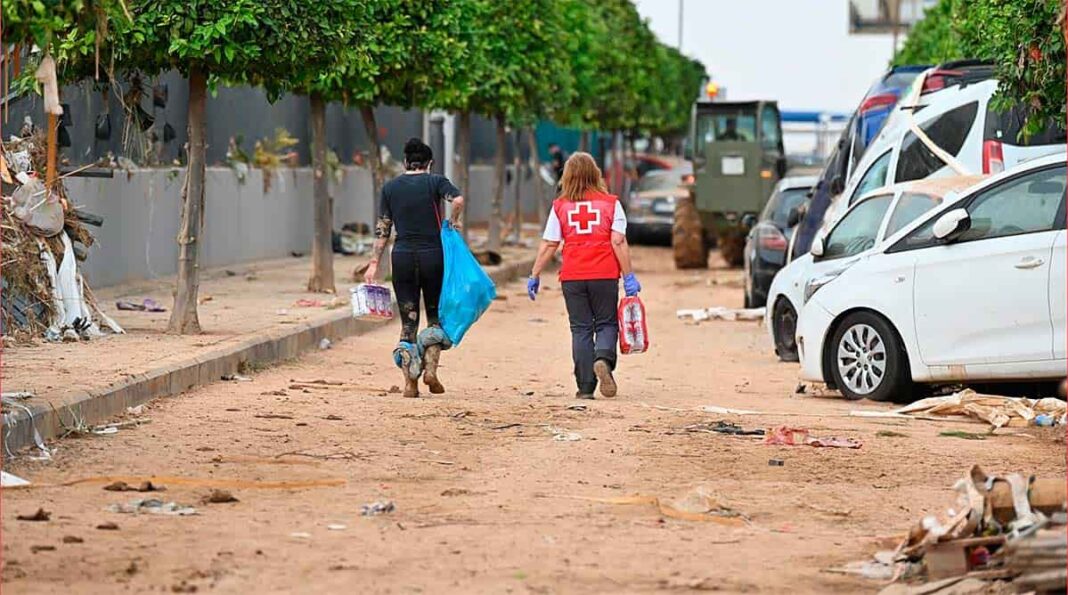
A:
[486, 497]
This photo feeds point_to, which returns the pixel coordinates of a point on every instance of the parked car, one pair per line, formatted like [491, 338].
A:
[875, 108]
[769, 238]
[863, 228]
[651, 205]
[973, 292]
[961, 121]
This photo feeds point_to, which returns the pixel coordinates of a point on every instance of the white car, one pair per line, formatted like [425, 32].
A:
[870, 220]
[962, 122]
[972, 292]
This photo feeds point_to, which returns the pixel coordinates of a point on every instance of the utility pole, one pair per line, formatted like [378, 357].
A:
[681, 2]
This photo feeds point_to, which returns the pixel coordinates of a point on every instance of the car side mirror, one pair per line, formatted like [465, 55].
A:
[794, 216]
[817, 247]
[837, 185]
[951, 224]
[748, 221]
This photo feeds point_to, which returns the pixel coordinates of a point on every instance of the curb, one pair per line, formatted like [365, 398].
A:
[79, 407]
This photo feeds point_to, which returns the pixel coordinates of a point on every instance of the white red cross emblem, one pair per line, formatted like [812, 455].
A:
[583, 218]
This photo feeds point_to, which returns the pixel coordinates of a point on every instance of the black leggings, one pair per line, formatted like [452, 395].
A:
[415, 272]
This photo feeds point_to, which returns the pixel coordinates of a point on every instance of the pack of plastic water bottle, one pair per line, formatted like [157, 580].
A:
[633, 331]
[370, 300]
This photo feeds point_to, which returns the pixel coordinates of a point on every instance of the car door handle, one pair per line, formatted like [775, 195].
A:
[1029, 262]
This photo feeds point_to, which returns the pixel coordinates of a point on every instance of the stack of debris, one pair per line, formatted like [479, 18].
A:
[1009, 530]
[42, 293]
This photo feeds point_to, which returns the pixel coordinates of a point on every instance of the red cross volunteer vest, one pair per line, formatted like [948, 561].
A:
[586, 228]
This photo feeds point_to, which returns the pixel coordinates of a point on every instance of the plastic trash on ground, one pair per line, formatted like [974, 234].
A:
[370, 300]
[466, 292]
[633, 330]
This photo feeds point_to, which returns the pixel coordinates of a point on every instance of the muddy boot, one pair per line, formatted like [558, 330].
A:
[430, 369]
[604, 377]
[404, 360]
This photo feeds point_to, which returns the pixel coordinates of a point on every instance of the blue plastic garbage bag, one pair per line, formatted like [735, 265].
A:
[466, 291]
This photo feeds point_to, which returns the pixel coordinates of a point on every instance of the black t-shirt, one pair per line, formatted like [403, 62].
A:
[410, 200]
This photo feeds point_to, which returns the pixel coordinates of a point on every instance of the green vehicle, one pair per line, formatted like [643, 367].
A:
[738, 158]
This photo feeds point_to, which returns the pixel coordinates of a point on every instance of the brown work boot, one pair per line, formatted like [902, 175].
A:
[604, 377]
[430, 369]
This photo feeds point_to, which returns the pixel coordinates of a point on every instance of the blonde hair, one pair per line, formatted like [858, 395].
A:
[581, 175]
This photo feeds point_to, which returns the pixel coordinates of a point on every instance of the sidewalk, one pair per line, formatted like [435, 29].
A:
[249, 314]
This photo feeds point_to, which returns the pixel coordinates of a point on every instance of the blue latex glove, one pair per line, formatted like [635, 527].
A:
[533, 284]
[631, 285]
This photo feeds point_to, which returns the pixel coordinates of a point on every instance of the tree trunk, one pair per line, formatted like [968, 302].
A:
[184, 320]
[517, 165]
[539, 185]
[322, 275]
[494, 242]
[370, 126]
[584, 141]
[464, 151]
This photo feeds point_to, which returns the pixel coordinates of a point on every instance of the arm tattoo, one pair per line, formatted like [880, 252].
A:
[383, 229]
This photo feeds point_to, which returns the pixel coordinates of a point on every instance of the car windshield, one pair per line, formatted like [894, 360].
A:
[858, 229]
[658, 182]
[778, 208]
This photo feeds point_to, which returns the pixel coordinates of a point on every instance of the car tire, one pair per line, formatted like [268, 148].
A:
[784, 328]
[867, 359]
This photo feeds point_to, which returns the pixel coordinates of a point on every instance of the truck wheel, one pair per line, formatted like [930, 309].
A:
[687, 237]
[732, 248]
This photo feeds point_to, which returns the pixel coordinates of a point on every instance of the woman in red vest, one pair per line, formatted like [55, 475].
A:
[593, 228]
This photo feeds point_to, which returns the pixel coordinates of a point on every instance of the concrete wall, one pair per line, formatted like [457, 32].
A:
[242, 222]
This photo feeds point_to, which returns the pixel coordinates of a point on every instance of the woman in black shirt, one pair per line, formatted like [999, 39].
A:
[412, 202]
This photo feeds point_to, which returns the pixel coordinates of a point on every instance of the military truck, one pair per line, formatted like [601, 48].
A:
[737, 153]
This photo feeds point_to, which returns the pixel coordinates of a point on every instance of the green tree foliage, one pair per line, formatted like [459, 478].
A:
[1024, 38]
[42, 22]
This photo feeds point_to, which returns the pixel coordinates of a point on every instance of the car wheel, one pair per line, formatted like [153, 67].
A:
[868, 360]
[784, 328]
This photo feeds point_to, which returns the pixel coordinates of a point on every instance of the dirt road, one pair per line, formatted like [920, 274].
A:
[502, 484]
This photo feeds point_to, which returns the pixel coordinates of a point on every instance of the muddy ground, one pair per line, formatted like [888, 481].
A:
[487, 497]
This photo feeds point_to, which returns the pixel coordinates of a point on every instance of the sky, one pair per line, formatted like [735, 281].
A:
[799, 52]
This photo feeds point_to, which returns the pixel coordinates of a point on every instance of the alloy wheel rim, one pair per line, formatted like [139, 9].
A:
[861, 359]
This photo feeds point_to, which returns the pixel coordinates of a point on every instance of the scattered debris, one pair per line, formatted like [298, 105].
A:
[40, 516]
[18, 395]
[145, 486]
[578, 407]
[236, 378]
[140, 409]
[145, 305]
[562, 435]
[153, 506]
[452, 492]
[996, 410]
[336, 527]
[8, 480]
[725, 411]
[272, 416]
[697, 505]
[1000, 528]
[962, 435]
[42, 548]
[72, 539]
[324, 343]
[300, 535]
[218, 496]
[890, 434]
[776, 463]
[722, 427]
[721, 313]
[377, 508]
[108, 526]
[307, 303]
[787, 436]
